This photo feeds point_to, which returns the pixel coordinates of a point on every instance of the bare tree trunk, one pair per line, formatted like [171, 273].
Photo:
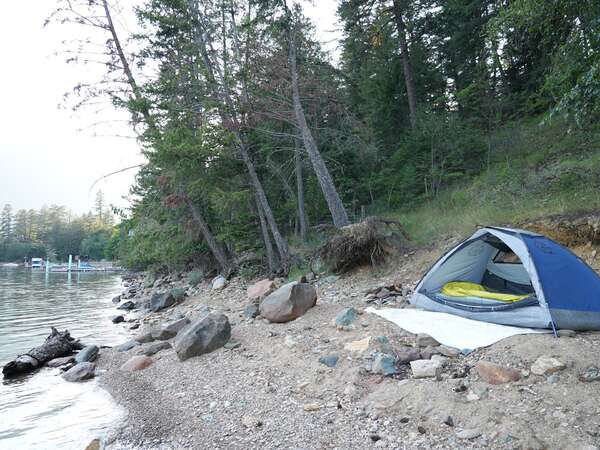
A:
[212, 243]
[334, 202]
[303, 222]
[406, 65]
[220, 89]
[266, 238]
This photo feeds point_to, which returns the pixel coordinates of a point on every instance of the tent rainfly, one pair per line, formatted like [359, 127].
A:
[513, 277]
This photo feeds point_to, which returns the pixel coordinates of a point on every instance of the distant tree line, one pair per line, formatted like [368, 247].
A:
[54, 232]
[252, 136]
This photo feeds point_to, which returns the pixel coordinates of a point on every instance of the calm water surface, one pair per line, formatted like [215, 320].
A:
[42, 411]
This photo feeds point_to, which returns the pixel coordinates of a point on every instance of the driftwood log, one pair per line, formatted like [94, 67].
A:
[59, 343]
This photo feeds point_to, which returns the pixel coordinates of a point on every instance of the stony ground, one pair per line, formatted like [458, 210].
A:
[272, 392]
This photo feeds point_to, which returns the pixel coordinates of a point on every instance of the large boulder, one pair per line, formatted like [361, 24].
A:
[171, 329]
[161, 301]
[203, 336]
[288, 302]
[80, 372]
[88, 353]
[260, 289]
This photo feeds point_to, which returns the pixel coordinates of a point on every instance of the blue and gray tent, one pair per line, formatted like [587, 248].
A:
[519, 278]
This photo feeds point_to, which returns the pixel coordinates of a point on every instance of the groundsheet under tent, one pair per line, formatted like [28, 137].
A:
[448, 329]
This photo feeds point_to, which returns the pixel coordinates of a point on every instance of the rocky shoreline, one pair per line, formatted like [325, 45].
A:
[336, 376]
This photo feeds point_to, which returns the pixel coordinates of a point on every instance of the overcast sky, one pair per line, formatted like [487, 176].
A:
[50, 155]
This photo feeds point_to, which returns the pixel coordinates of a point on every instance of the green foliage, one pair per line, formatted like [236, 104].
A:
[195, 278]
[178, 294]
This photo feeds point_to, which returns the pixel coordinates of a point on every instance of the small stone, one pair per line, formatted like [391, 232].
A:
[251, 311]
[251, 422]
[553, 379]
[546, 365]
[137, 363]
[127, 306]
[218, 283]
[144, 338]
[346, 317]
[449, 421]
[384, 364]
[424, 340]
[358, 347]
[311, 407]
[116, 299]
[590, 374]
[156, 347]
[566, 333]
[468, 434]
[289, 341]
[57, 362]
[425, 368]
[330, 360]
[231, 344]
[495, 374]
[118, 319]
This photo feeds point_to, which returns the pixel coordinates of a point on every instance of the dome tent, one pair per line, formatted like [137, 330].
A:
[547, 286]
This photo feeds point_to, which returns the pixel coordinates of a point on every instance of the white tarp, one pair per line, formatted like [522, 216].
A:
[448, 329]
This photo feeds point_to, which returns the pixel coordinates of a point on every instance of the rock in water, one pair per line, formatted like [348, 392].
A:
[127, 306]
[346, 317]
[161, 301]
[219, 283]
[204, 336]
[288, 302]
[260, 289]
[116, 299]
[546, 365]
[137, 363]
[80, 372]
[118, 319]
[57, 362]
[495, 374]
[88, 353]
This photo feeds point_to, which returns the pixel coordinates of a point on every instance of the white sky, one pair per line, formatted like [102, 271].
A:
[50, 155]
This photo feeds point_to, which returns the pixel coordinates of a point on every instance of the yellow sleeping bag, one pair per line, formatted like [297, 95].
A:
[467, 289]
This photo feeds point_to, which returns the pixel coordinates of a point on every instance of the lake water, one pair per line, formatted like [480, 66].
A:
[42, 411]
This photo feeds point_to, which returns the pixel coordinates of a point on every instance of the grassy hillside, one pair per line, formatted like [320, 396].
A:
[535, 170]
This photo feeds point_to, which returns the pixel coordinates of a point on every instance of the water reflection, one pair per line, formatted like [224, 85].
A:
[41, 410]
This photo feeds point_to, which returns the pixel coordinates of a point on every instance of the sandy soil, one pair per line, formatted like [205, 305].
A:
[272, 391]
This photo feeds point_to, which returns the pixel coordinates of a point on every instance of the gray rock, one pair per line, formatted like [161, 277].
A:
[450, 352]
[429, 351]
[218, 283]
[384, 364]
[251, 311]
[407, 354]
[126, 346]
[161, 301]
[144, 338]
[156, 347]
[424, 340]
[118, 319]
[203, 336]
[426, 368]
[116, 299]
[546, 365]
[88, 353]
[288, 302]
[171, 329]
[127, 306]
[80, 372]
[231, 344]
[329, 360]
[346, 317]
[468, 434]
[566, 333]
[57, 362]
